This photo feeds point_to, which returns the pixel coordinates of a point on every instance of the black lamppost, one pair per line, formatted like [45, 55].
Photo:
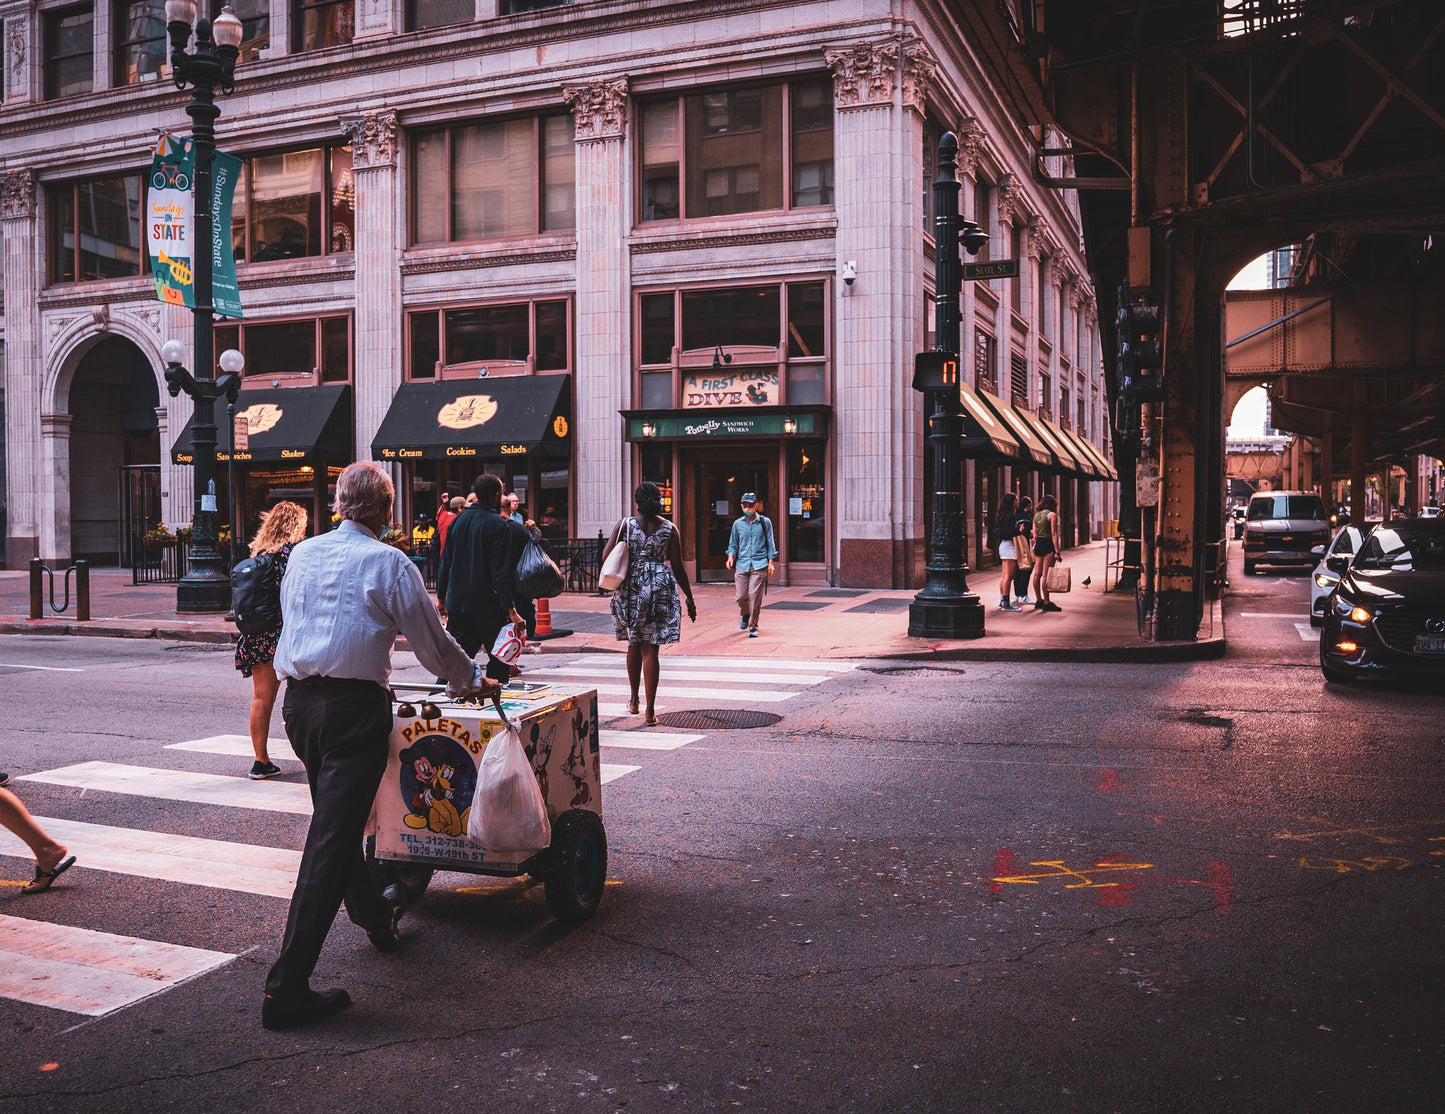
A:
[207, 583]
[944, 607]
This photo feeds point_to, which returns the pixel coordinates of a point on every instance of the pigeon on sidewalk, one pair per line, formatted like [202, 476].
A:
[1087, 581]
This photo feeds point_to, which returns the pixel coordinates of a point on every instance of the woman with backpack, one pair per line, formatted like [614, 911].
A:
[281, 528]
[1004, 528]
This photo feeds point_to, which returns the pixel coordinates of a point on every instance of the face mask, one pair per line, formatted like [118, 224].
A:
[751, 512]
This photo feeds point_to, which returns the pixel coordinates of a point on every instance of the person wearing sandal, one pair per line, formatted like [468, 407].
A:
[51, 860]
[645, 607]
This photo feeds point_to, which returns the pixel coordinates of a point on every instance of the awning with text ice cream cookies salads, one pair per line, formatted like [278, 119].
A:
[282, 424]
[478, 419]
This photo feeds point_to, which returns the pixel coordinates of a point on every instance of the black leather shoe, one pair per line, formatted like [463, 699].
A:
[395, 895]
[290, 1013]
[386, 939]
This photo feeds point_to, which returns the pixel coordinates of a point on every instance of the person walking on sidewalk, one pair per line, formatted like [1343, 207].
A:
[346, 595]
[1005, 526]
[1046, 530]
[645, 607]
[751, 553]
[281, 528]
[51, 860]
[1024, 548]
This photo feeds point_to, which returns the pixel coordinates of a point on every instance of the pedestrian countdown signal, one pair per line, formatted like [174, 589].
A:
[935, 371]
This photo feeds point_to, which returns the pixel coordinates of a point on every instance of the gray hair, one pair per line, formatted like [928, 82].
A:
[364, 492]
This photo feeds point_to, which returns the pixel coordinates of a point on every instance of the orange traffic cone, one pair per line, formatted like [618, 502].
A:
[544, 618]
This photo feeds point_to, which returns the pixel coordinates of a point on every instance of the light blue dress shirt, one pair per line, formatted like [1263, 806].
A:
[345, 596]
[751, 543]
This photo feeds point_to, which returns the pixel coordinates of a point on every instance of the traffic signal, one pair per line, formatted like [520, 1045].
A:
[935, 371]
[1141, 351]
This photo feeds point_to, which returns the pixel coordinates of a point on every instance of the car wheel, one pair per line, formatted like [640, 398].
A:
[1249, 568]
[1333, 675]
[578, 868]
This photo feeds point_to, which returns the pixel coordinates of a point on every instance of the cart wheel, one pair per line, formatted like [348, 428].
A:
[579, 866]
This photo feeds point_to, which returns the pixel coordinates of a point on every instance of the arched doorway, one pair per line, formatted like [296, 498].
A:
[115, 450]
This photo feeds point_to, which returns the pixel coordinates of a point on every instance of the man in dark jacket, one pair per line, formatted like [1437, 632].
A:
[474, 583]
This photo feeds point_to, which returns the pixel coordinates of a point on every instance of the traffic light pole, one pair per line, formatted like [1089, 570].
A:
[945, 608]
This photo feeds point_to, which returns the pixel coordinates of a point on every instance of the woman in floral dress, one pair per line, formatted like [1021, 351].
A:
[281, 527]
[645, 606]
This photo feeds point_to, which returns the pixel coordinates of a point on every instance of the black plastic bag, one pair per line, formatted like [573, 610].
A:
[537, 575]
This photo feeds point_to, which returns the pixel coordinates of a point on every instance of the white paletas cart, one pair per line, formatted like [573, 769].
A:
[425, 798]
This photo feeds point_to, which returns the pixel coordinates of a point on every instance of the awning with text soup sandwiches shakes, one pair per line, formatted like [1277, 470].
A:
[283, 424]
[983, 427]
[477, 419]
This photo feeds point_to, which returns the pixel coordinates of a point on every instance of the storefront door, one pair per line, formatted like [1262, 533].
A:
[720, 484]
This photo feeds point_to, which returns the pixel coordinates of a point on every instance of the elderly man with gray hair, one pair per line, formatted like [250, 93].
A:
[345, 596]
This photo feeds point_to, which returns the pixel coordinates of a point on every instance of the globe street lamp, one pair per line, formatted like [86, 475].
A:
[207, 583]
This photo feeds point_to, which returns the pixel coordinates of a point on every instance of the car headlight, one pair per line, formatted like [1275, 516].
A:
[1325, 580]
[1361, 614]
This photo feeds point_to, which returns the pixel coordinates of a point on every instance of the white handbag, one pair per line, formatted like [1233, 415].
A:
[614, 569]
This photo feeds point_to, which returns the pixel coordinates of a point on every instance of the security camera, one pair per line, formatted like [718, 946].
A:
[850, 272]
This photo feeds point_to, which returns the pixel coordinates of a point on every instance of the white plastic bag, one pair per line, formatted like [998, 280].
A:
[508, 646]
[508, 812]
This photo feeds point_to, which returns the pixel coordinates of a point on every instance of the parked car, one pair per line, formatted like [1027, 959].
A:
[1285, 528]
[1323, 580]
[1387, 614]
[1429, 512]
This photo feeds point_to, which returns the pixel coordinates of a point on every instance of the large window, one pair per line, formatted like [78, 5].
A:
[68, 44]
[321, 23]
[306, 351]
[140, 40]
[506, 339]
[95, 230]
[985, 361]
[294, 204]
[255, 17]
[494, 179]
[737, 150]
[423, 14]
[733, 346]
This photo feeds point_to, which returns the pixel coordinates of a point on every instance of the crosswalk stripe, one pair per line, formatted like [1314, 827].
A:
[179, 785]
[237, 746]
[611, 771]
[1307, 633]
[740, 676]
[243, 867]
[783, 664]
[646, 740]
[678, 692]
[92, 973]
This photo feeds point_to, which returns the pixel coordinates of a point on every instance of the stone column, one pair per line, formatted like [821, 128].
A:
[877, 418]
[602, 381]
[54, 495]
[380, 235]
[23, 366]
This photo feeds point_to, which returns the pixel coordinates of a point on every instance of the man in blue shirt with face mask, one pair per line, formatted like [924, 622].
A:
[751, 552]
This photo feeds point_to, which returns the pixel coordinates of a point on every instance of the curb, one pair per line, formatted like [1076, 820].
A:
[1136, 653]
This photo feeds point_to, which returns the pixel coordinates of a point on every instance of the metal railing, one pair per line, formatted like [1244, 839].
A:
[158, 564]
[580, 559]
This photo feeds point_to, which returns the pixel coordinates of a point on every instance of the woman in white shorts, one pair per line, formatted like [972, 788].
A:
[1004, 528]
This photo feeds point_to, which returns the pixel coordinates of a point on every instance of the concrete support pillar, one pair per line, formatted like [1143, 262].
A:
[1359, 451]
[603, 379]
[380, 234]
[23, 254]
[878, 167]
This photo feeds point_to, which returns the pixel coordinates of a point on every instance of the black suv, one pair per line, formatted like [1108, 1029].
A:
[1285, 528]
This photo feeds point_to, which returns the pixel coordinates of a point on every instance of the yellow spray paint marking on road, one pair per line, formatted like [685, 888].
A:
[1349, 866]
[1084, 876]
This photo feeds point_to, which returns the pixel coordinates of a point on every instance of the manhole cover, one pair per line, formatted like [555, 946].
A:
[717, 719]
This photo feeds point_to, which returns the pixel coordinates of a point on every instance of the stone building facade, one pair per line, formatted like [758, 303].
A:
[579, 244]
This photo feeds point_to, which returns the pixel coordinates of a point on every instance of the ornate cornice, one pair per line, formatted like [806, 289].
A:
[919, 66]
[17, 194]
[298, 278]
[970, 145]
[441, 266]
[1011, 199]
[748, 239]
[864, 75]
[373, 138]
[599, 108]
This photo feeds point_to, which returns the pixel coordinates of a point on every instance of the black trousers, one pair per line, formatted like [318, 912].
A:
[339, 729]
[1021, 581]
[477, 631]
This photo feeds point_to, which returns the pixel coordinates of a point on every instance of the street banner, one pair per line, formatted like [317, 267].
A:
[225, 294]
[169, 219]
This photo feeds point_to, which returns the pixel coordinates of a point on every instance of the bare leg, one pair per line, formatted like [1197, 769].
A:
[1005, 581]
[15, 816]
[264, 685]
[1041, 573]
[651, 667]
[634, 673]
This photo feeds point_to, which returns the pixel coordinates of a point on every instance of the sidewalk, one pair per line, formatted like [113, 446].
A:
[1094, 626]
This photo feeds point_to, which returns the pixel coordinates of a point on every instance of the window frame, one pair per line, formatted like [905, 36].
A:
[51, 31]
[539, 213]
[411, 22]
[316, 378]
[441, 309]
[53, 193]
[241, 205]
[677, 365]
[679, 100]
[120, 10]
[297, 13]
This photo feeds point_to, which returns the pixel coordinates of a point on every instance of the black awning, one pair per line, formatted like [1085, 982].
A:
[285, 424]
[981, 422]
[481, 419]
[1031, 449]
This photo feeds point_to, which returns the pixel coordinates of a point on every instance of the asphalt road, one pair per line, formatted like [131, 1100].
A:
[998, 887]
